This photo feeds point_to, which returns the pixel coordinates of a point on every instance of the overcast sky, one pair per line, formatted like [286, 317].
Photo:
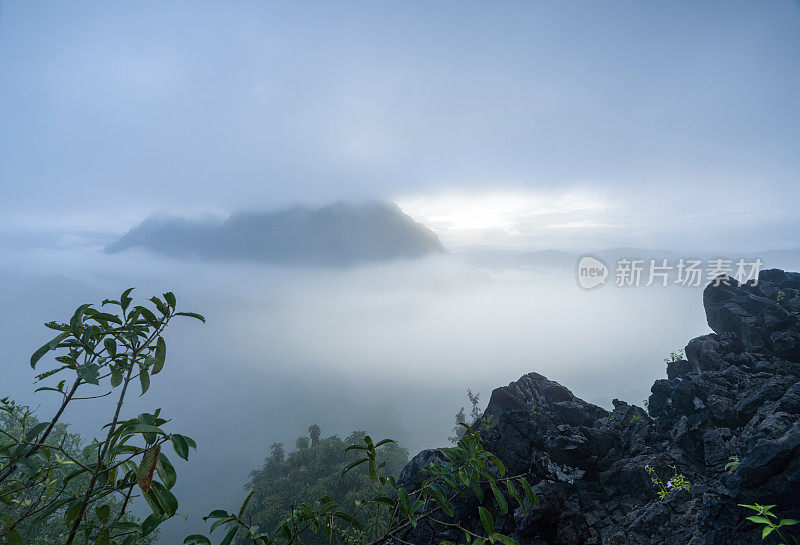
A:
[668, 123]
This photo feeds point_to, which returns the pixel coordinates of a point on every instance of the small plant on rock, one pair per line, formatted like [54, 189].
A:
[635, 419]
[677, 482]
[733, 464]
[676, 355]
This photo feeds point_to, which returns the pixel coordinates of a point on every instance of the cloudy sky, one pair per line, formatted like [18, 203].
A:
[519, 123]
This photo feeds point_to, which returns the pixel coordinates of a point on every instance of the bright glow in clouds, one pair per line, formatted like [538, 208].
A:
[507, 218]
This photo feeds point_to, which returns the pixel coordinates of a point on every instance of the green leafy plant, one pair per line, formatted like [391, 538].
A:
[770, 521]
[733, 464]
[467, 469]
[112, 352]
[635, 419]
[676, 355]
[14, 420]
[675, 483]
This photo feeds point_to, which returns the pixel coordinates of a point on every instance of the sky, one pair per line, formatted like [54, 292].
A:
[669, 120]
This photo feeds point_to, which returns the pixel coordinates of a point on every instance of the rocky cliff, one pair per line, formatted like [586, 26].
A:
[737, 393]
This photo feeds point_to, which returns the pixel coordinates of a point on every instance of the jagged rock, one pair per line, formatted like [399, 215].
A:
[737, 393]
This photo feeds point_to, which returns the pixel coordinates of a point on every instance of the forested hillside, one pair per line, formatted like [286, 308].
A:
[314, 470]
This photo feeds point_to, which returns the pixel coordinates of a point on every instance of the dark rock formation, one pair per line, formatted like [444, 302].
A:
[736, 394]
[334, 235]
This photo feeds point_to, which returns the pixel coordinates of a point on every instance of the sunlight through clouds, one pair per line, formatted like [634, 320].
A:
[506, 217]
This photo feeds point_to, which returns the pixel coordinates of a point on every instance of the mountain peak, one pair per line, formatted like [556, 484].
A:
[338, 234]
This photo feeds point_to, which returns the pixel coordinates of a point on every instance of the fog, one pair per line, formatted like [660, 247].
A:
[389, 348]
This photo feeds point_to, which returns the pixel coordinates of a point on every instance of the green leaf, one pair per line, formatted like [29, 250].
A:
[162, 308]
[759, 520]
[504, 539]
[103, 513]
[151, 523]
[245, 502]
[28, 466]
[77, 318]
[13, 537]
[486, 520]
[789, 522]
[152, 501]
[354, 464]
[766, 531]
[125, 299]
[192, 315]
[532, 498]
[180, 445]
[500, 467]
[104, 537]
[499, 498]
[348, 518]
[169, 297]
[44, 349]
[90, 373]
[405, 502]
[196, 539]
[383, 500]
[512, 490]
[441, 498]
[477, 490]
[101, 317]
[166, 471]
[117, 374]
[141, 428]
[229, 536]
[148, 315]
[34, 432]
[127, 526]
[111, 346]
[72, 512]
[160, 355]
[166, 498]
[144, 379]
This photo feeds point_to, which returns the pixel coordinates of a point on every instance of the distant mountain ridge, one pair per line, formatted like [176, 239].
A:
[334, 235]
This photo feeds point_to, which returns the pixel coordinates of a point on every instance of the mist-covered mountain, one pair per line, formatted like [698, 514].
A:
[333, 235]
